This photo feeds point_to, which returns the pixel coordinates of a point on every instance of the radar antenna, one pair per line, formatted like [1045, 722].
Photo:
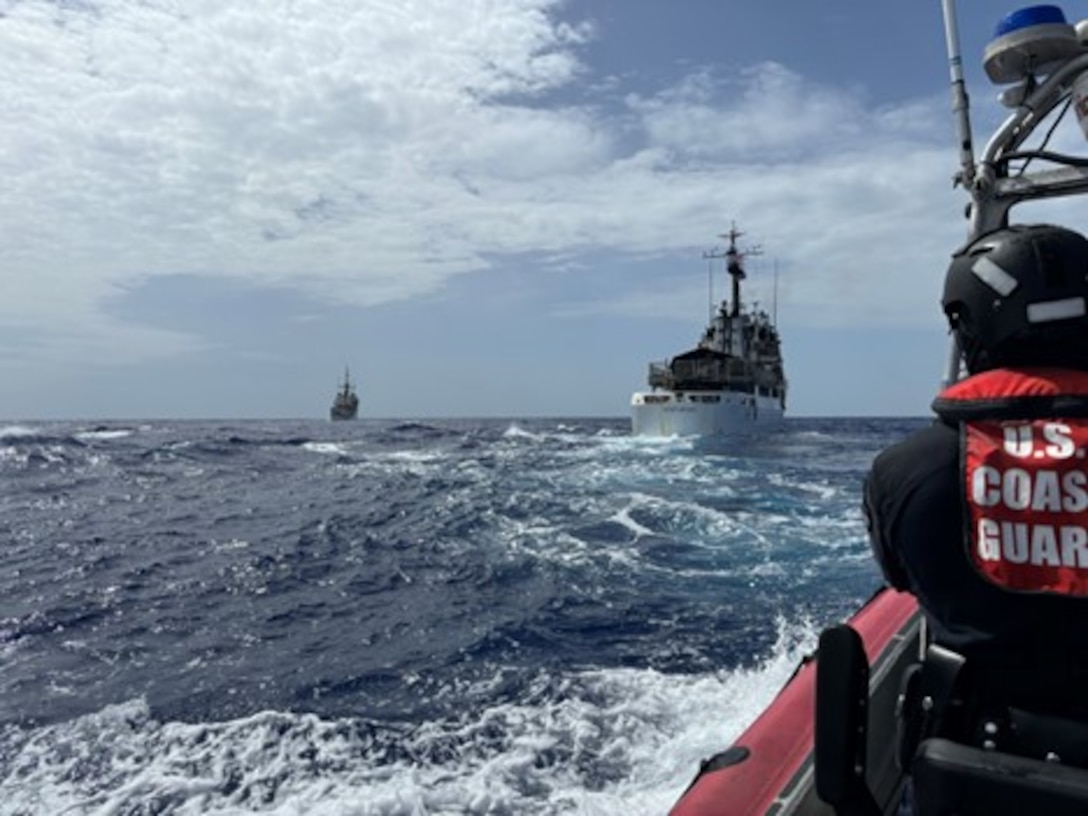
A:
[734, 263]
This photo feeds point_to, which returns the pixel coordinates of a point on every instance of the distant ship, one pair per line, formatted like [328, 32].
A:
[346, 403]
[733, 381]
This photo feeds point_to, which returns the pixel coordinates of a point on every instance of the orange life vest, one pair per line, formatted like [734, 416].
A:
[1024, 475]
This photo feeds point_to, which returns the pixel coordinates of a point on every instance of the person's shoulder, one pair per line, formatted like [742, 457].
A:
[935, 445]
[927, 460]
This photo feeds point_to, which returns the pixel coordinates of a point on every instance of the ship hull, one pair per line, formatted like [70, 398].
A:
[703, 413]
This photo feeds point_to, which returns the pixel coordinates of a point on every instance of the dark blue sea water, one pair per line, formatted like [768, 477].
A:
[379, 617]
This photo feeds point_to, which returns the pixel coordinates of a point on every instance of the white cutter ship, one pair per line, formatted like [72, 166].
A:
[732, 382]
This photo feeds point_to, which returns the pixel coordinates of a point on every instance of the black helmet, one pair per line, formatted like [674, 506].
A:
[1019, 296]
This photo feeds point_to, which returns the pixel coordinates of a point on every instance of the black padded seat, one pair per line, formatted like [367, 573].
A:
[952, 779]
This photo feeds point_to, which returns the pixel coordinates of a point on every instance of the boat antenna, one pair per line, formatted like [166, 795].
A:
[711, 255]
[961, 104]
[774, 299]
[960, 101]
[709, 287]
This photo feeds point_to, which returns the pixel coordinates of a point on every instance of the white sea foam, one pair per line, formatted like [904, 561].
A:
[114, 433]
[17, 431]
[517, 432]
[623, 518]
[230, 544]
[328, 448]
[640, 733]
[413, 457]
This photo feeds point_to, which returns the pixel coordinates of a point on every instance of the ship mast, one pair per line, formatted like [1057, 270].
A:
[734, 263]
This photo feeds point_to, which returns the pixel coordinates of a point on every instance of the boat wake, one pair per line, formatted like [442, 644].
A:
[605, 741]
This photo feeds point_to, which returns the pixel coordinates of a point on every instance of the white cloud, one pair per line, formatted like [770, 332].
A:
[366, 151]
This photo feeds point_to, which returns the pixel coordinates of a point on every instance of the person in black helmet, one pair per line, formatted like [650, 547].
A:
[983, 516]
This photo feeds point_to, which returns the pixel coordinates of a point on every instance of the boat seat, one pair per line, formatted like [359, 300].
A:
[952, 778]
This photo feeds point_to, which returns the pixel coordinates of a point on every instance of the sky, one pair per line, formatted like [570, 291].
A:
[484, 208]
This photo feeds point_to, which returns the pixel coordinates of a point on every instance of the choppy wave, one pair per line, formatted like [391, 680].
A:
[605, 740]
[401, 618]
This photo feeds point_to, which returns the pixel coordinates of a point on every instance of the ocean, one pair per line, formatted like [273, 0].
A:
[524, 616]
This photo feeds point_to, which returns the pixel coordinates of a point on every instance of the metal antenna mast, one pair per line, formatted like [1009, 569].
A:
[734, 263]
[774, 300]
[960, 101]
[710, 256]
[967, 173]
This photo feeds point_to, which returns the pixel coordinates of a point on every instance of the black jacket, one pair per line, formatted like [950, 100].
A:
[914, 505]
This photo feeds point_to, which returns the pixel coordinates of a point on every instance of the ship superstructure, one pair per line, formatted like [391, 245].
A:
[732, 381]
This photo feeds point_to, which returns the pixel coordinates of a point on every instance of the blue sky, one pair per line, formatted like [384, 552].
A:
[484, 208]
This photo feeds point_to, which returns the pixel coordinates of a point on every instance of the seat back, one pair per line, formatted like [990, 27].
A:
[952, 778]
[841, 725]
